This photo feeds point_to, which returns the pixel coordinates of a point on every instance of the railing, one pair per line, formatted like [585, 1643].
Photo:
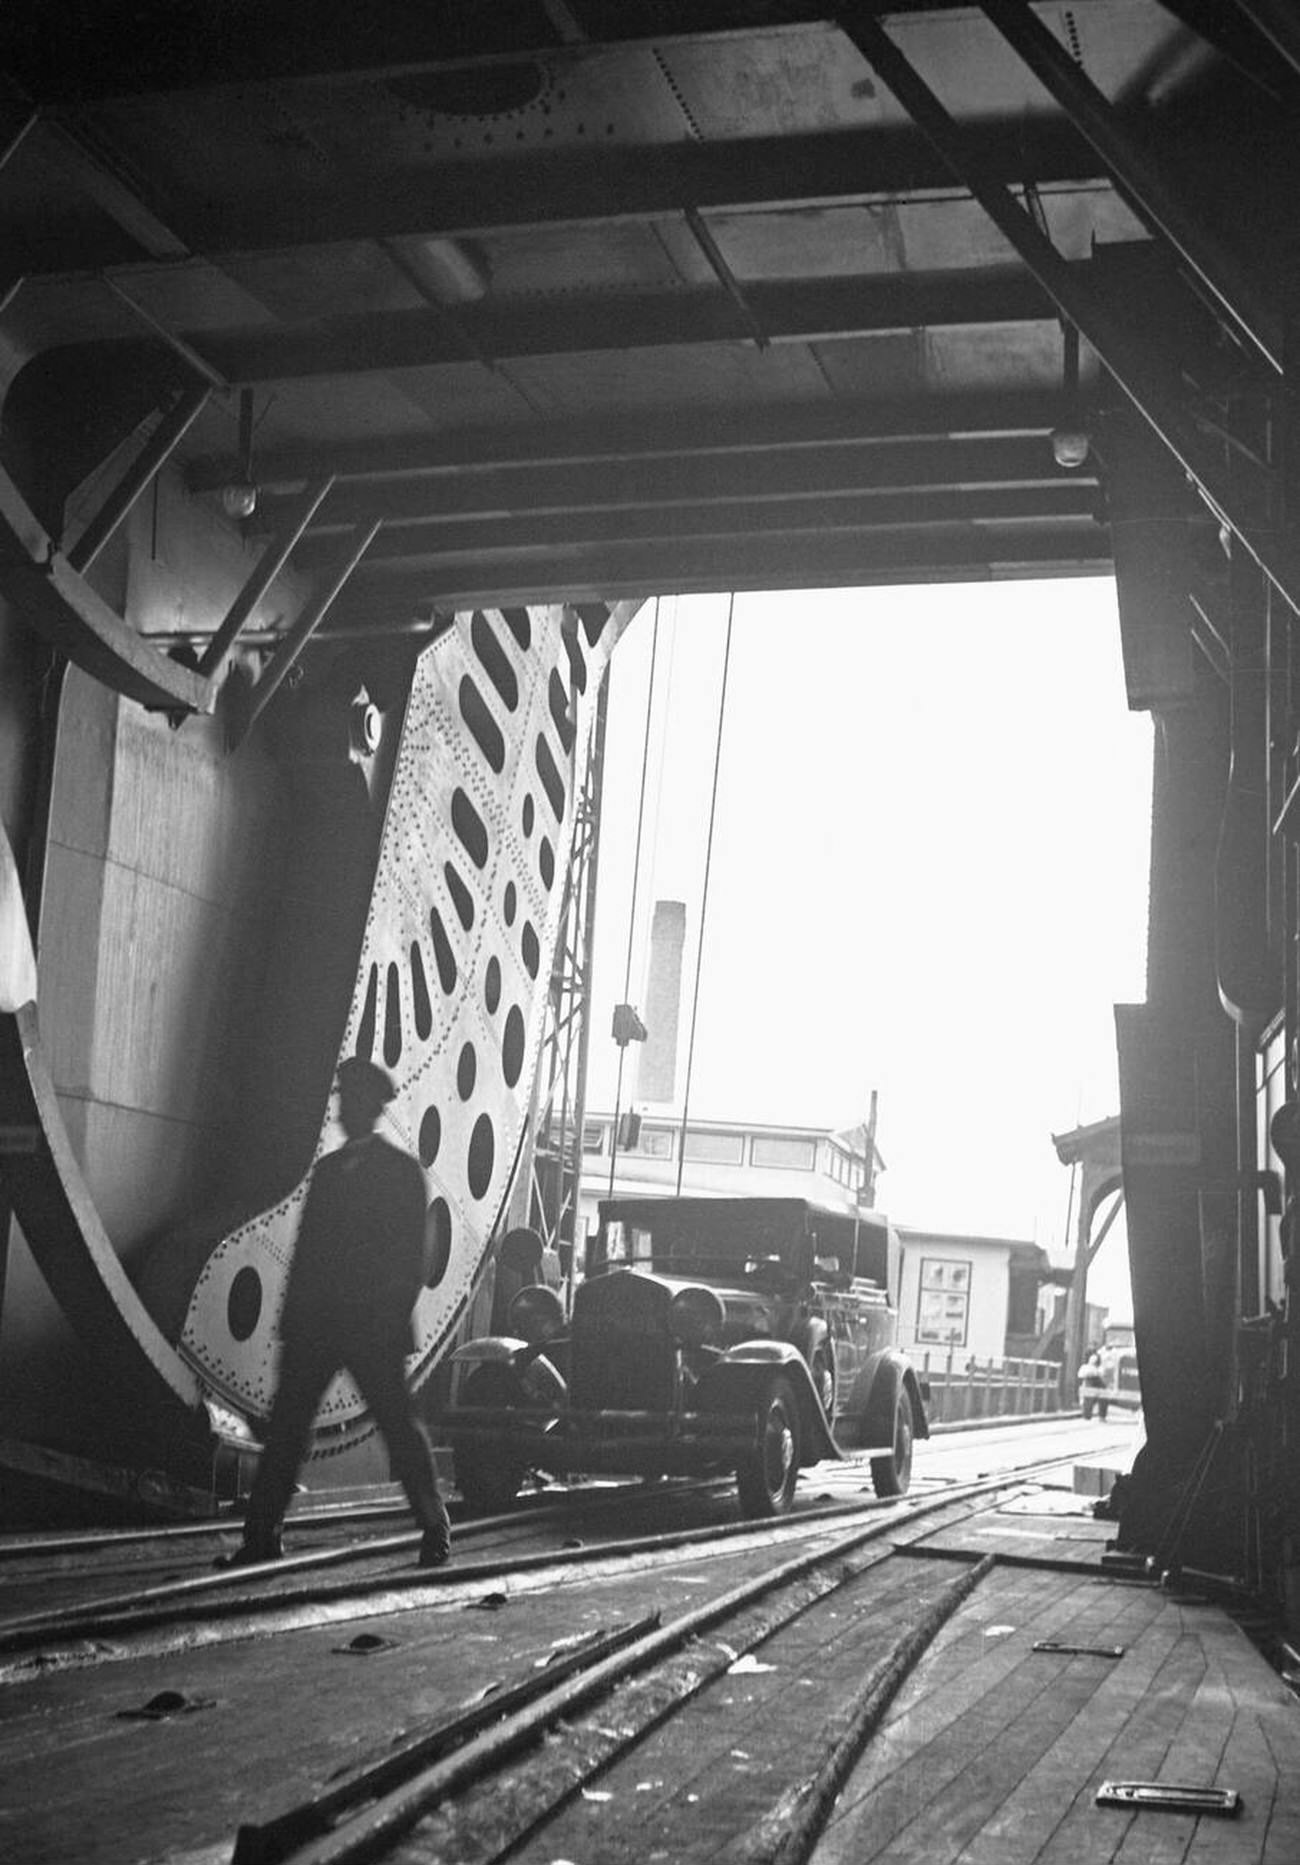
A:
[963, 1386]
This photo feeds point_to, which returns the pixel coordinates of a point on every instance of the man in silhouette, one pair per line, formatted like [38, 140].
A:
[357, 1270]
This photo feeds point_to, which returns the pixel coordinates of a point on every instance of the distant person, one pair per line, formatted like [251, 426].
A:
[1092, 1385]
[357, 1270]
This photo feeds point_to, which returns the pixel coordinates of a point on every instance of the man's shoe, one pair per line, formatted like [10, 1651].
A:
[251, 1554]
[435, 1548]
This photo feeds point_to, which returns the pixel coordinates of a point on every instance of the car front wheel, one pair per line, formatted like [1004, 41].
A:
[891, 1475]
[766, 1476]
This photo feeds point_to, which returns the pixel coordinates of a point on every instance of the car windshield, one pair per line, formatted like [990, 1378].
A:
[717, 1242]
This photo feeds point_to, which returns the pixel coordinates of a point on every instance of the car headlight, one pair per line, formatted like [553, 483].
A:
[695, 1315]
[535, 1314]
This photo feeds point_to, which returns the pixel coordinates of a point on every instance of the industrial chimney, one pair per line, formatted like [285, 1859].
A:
[657, 1065]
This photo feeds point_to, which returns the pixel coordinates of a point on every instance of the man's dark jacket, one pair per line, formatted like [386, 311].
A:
[358, 1264]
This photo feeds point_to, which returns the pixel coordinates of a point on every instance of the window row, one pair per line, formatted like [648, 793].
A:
[713, 1146]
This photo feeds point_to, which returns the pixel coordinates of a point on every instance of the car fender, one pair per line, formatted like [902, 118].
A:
[809, 1335]
[875, 1394]
[737, 1381]
[535, 1378]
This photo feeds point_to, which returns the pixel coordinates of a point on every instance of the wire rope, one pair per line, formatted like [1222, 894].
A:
[636, 874]
[704, 893]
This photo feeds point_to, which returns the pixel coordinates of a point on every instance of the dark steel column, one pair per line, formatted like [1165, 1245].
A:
[1176, 1052]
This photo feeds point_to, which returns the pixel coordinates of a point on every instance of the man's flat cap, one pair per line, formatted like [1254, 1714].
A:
[367, 1078]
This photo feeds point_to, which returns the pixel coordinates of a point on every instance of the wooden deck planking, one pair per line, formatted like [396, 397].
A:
[985, 1757]
[989, 1771]
[1024, 1825]
[1282, 1840]
[968, 1668]
[938, 1806]
[1127, 1736]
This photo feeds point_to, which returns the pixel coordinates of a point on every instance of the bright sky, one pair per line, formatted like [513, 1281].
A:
[929, 877]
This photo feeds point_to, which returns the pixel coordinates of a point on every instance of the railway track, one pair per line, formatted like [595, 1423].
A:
[522, 1723]
[348, 1578]
[485, 1772]
[657, 1670]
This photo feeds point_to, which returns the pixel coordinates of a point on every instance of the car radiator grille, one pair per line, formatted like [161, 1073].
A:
[623, 1355]
[622, 1371]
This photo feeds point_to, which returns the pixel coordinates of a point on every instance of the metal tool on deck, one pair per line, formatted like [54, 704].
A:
[1078, 1651]
[1165, 1797]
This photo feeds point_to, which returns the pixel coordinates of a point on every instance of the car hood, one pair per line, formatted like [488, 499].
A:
[749, 1313]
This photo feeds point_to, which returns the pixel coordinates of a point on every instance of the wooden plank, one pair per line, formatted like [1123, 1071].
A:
[972, 1661]
[963, 1770]
[1277, 1730]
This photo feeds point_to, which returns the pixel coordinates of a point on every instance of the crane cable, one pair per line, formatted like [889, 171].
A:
[704, 894]
[636, 873]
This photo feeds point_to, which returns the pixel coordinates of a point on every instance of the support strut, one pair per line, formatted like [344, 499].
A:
[1140, 371]
[1143, 178]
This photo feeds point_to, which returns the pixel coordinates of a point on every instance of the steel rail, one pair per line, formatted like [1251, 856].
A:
[789, 1831]
[224, 1596]
[193, 1598]
[394, 1813]
[34, 1546]
[267, 1841]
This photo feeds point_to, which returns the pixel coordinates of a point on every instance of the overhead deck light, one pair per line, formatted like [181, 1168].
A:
[1070, 446]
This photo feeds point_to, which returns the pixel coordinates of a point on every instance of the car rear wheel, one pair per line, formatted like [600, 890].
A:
[766, 1476]
[487, 1476]
[891, 1475]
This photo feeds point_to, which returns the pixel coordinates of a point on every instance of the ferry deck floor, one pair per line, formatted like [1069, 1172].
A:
[991, 1752]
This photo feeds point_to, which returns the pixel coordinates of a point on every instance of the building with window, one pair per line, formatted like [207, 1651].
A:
[986, 1297]
[974, 1297]
[722, 1159]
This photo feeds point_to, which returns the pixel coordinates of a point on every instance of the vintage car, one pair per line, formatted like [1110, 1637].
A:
[709, 1335]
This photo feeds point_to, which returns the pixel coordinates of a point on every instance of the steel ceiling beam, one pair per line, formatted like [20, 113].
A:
[454, 199]
[886, 511]
[1143, 175]
[391, 601]
[608, 485]
[80, 54]
[687, 433]
[1143, 370]
[804, 311]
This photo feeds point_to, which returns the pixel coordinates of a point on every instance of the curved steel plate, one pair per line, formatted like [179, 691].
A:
[450, 993]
